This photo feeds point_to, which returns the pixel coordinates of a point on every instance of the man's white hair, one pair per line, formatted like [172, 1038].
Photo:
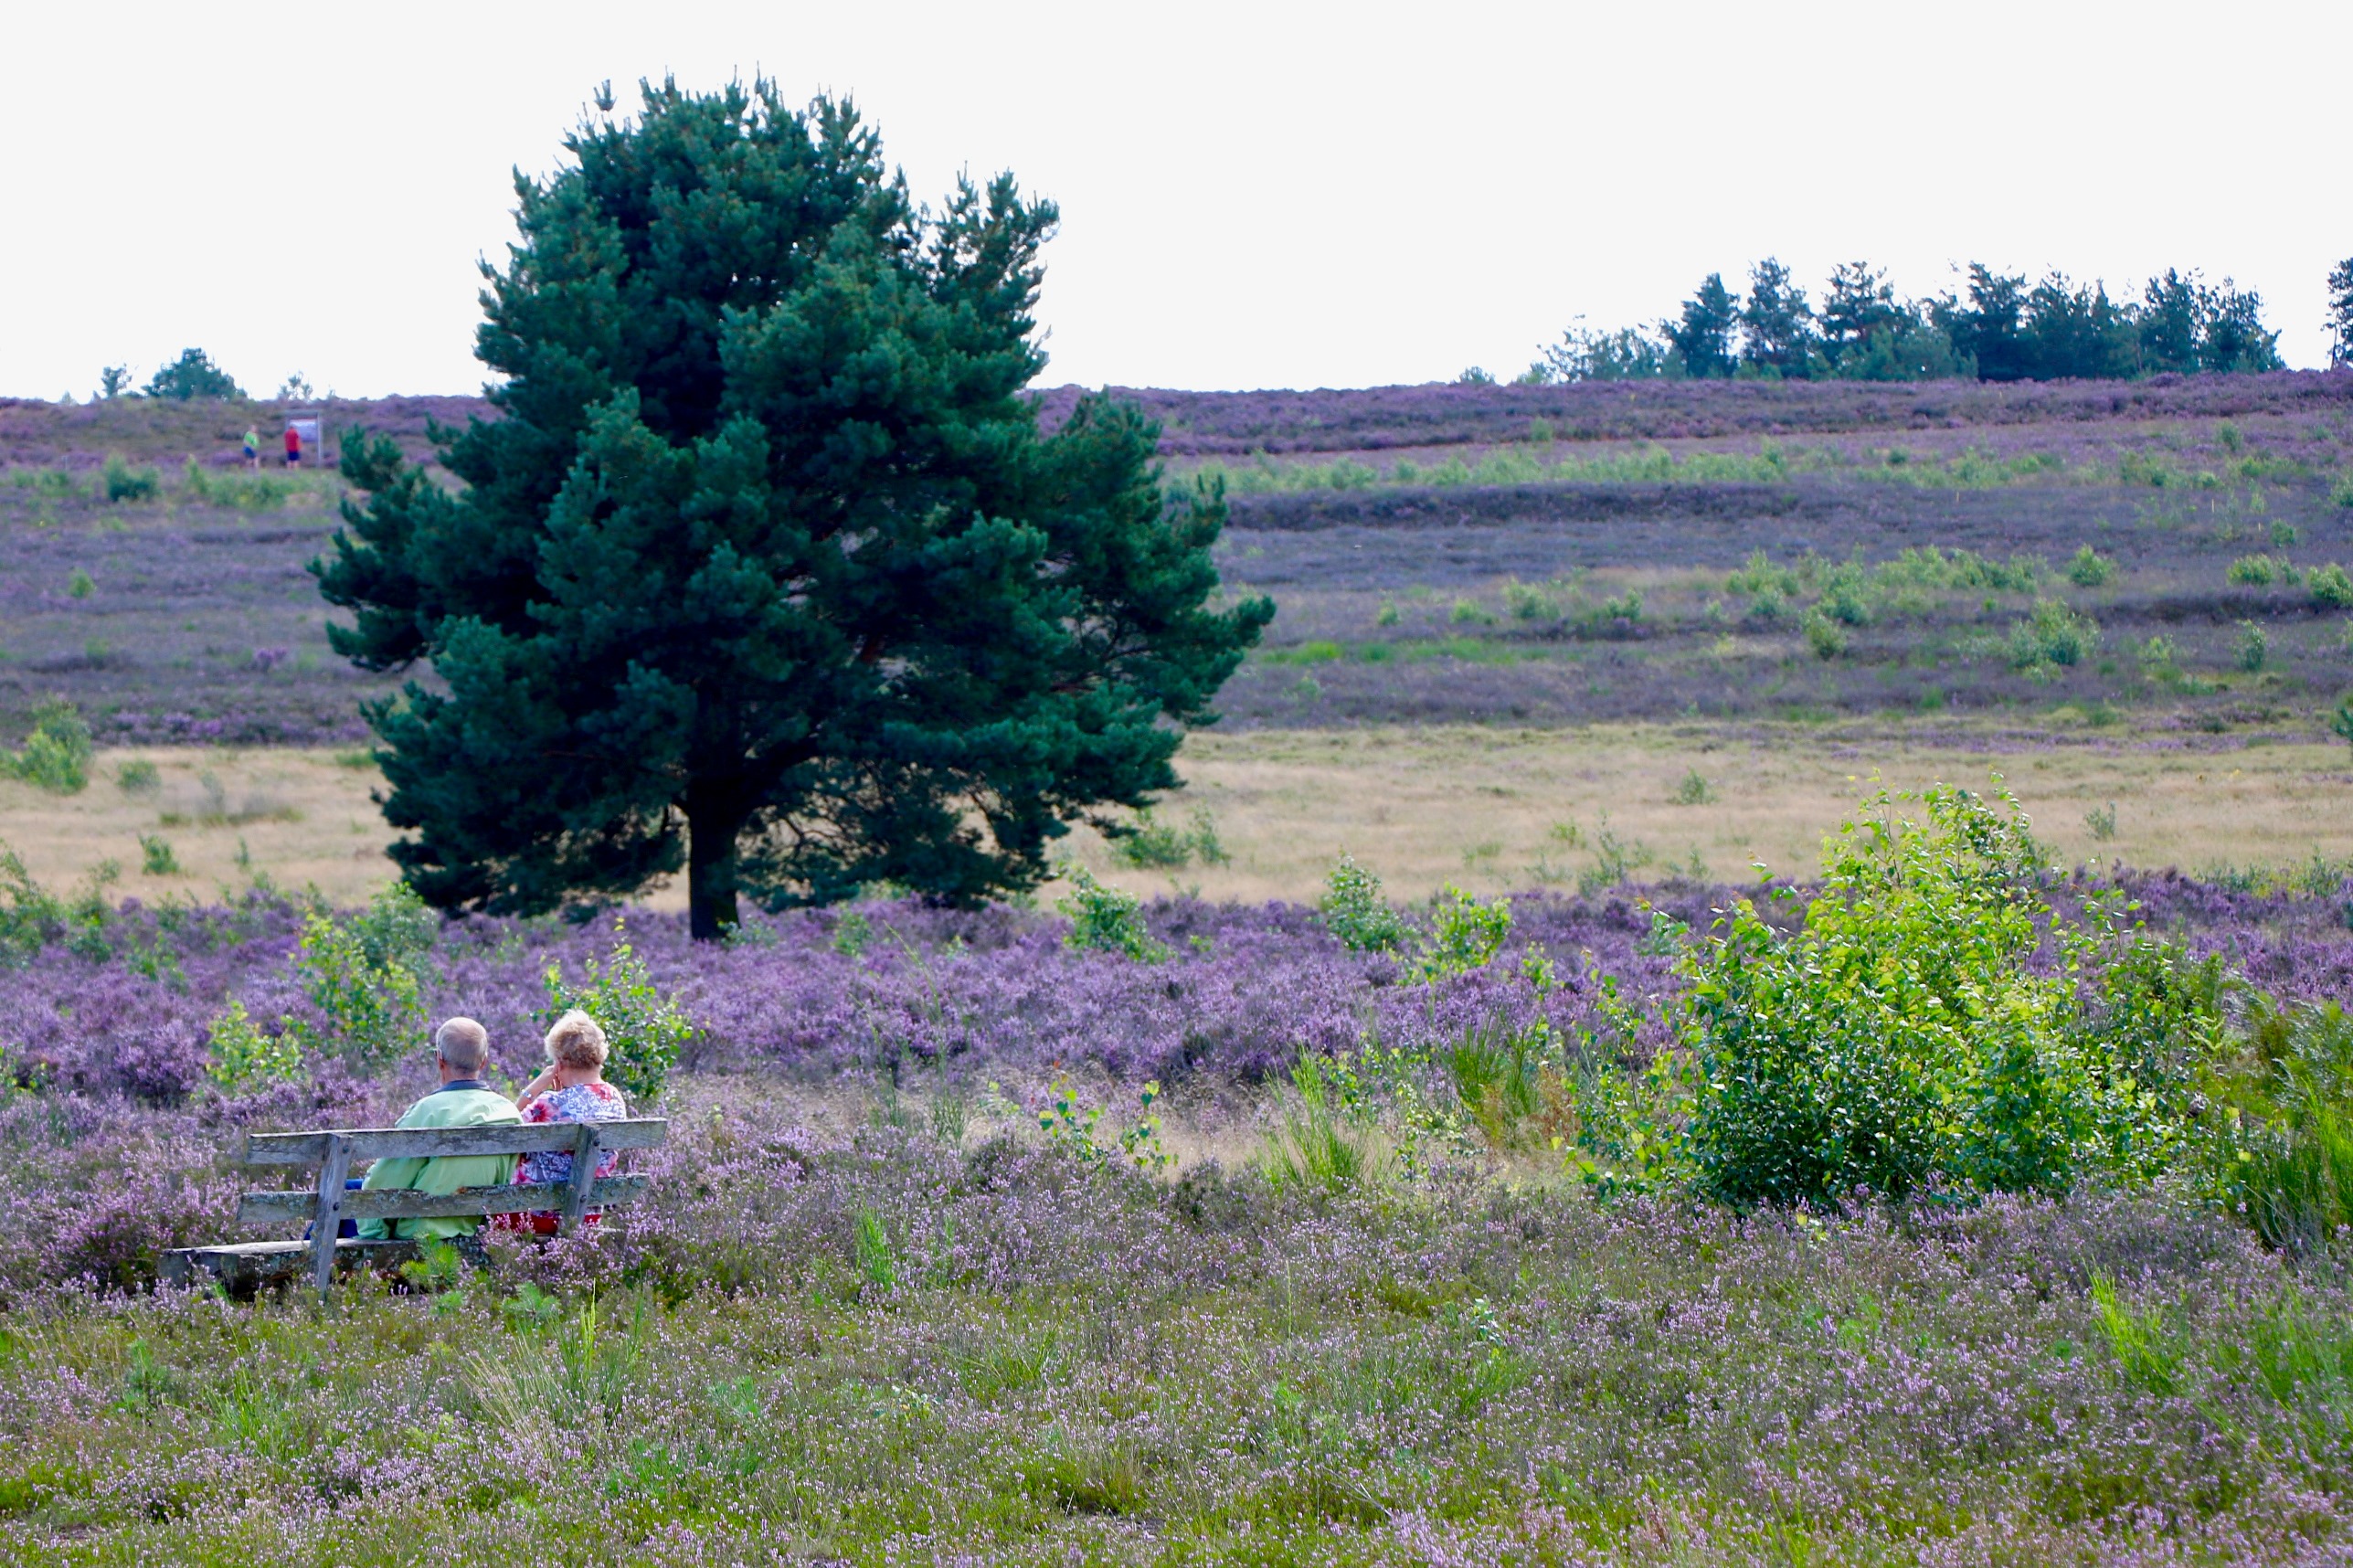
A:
[464, 1045]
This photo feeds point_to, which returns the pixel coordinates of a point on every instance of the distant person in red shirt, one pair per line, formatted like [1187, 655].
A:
[294, 447]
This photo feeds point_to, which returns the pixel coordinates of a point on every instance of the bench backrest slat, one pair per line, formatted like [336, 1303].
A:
[403, 1203]
[430, 1142]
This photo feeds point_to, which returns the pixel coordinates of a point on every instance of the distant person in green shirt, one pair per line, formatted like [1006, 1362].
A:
[252, 448]
[461, 1051]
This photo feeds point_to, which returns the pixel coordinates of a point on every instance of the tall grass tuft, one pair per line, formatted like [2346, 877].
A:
[1313, 1146]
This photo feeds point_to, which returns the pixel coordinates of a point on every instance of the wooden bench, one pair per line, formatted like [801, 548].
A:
[245, 1267]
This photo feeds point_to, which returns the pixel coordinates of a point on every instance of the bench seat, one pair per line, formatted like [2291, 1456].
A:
[247, 1267]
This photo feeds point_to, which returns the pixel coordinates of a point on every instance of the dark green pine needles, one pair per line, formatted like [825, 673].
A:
[767, 571]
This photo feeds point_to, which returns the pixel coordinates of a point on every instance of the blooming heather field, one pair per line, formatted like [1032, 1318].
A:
[882, 1309]
[1976, 1214]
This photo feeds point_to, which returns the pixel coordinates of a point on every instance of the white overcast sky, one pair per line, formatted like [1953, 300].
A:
[1265, 195]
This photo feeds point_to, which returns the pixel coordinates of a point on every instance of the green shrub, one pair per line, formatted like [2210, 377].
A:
[2284, 533]
[1355, 913]
[156, 857]
[124, 483]
[1615, 858]
[2089, 569]
[138, 777]
[80, 585]
[2262, 571]
[1898, 1039]
[1761, 576]
[32, 917]
[2255, 646]
[1694, 790]
[1387, 615]
[1824, 635]
[2341, 492]
[241, 1058]
[645, 1029]
[56, 755]
[2054, 635]
[1106, 920]
[2330, 586]
[1470, 612]
[1150, 845]
[1626, 608]
[1526, 601]
[1465, 935]
[2342, 720]
[358, 974]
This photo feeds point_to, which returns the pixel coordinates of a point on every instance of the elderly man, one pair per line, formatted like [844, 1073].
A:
[461, 1050]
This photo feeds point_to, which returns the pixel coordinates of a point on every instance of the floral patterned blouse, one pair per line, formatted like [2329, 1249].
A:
[581, 1102]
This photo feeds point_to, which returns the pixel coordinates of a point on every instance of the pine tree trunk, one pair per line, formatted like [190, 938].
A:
[710, 832]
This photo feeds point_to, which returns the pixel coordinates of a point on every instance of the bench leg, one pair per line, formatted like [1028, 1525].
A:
[330, 1215]
[584, 1177]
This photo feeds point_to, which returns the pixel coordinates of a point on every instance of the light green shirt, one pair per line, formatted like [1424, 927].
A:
[443, 1107]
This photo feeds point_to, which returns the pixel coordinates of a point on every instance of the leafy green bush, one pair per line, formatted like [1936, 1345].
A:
[56, 755]
[1694, 790]
[2255, 646]
[124, 483]
[2089, 569]
[241, 1058]
[1465, 934]
[2342, 720]
[138, 777]
[2260, 571]
[1106, 920]
[1150, 845]
[1824, 635]
[1898, 1039]
[2330, 586]
[1615, 858]
[1354, 911]
[32, 917]
[1527, 602]
[2054, 635]
[1761, 576]
[644, 1030]
[360, 974]
[156, 857]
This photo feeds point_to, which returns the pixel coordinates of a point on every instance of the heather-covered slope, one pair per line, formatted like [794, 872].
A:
[1530, 555]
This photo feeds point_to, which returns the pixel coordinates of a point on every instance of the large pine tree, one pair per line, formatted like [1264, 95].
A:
[765, 568]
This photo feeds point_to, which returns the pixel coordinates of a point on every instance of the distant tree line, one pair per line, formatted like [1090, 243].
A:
[192, 375]
[2000, 328]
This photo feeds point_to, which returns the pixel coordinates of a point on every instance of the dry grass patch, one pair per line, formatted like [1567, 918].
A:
[1484, 809]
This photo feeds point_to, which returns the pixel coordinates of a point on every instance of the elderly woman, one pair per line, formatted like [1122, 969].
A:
[572, 1088]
